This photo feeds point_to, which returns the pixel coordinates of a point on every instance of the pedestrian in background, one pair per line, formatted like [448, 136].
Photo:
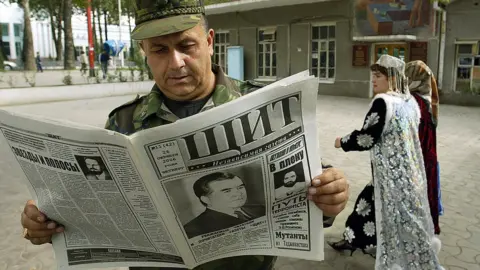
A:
[83, 62]
[38, 61]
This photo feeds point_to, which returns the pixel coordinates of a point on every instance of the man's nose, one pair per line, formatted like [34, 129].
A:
[177, 60]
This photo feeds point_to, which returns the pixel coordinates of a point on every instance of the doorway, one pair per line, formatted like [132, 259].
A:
[398, 50]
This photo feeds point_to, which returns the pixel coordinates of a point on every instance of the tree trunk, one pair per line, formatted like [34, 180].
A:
[54, 29]
[69, 46]
[105, 18]
[53, 14]
[99, 27]
[28, 53]
[132, 50]
[2, 56]
[59, 28]
[94, 30]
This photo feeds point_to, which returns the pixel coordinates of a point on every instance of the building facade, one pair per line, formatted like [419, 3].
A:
[461, 66]
[336, 40]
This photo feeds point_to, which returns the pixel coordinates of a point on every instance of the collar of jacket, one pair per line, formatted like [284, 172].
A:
[226, 90]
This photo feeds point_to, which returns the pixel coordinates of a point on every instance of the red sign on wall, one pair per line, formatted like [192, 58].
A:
[360, 56]
[419, 51]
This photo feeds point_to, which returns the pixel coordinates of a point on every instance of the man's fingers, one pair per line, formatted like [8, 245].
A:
[331, 210]
[32, 224]
[42, 233]
[40, 241]
[330, 175]
[33, 213]
[338, 186]
[333, 199]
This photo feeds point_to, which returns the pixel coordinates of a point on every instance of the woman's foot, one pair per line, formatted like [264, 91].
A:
[342, 245]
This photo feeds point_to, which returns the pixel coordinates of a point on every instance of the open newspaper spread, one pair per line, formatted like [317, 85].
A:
[230, 181]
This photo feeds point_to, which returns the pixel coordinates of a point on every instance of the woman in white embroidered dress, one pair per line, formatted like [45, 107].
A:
[402, 227]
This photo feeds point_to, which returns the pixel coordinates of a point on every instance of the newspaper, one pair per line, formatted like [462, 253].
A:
[230, 181]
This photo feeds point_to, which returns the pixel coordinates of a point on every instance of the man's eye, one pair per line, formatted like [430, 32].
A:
[159, 50]
[188, 46]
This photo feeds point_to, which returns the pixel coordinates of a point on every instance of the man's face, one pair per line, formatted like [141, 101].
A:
[93, 166]
[181, 62]
[228, 193]
[289, 179]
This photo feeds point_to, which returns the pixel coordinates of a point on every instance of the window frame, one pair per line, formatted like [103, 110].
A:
[472, 56]
[319, 41]
[273, 53]
[222, 49]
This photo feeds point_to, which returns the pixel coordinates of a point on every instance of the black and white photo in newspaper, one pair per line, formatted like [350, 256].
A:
[86, 180]
[214, 144]
[227, 206]
[289, 168]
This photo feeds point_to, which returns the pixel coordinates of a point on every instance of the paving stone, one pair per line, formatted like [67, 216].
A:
[458, 152]
[453, 261]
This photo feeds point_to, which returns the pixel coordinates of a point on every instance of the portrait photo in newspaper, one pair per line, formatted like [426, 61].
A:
[218, 200]
[289, 181]
[93, 167]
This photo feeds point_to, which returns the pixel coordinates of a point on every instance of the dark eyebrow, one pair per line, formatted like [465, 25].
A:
[186, 40]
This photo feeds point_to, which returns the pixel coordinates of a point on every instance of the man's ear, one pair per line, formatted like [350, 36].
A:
[210, 41]
[205, 200]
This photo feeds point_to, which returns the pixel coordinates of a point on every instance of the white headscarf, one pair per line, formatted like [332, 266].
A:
[397, 80]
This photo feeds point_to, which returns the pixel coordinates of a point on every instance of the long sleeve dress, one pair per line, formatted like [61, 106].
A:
[403, 225]
[360, 225]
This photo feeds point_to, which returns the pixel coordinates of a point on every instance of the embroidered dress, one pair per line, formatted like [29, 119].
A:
[358, 231]
[403, 224]
[405, 233]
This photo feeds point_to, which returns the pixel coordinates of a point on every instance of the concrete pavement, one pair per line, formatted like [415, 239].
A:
[48, 78]
[459, 156]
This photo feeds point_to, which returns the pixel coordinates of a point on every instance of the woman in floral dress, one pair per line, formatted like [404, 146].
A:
[391, 217]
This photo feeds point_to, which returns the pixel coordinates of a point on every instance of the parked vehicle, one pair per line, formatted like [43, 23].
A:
[8, 65]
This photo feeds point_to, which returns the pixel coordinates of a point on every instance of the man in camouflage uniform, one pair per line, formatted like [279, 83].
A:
[178, 45]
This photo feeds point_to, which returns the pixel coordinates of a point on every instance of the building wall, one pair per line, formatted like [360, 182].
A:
[463, 21]
[293, 42]
[294, 33]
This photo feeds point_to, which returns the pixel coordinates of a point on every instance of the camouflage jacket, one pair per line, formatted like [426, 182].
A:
[149, 111]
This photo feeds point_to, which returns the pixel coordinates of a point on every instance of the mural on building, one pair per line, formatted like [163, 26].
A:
[393, 17]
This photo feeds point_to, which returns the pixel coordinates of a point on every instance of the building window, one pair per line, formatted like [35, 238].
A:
[267, 53]
[4, 29]
[19, 49]
[222, 41]
[323, 52]
[17, 30]
[6, 49]
[468, 67]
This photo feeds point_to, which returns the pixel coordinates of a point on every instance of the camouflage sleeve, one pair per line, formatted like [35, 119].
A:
[110, 124]
[249, 86]
[121, 118]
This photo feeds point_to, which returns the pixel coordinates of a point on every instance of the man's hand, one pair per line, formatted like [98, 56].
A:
[37, 228]
[330, 192]
[338, 143]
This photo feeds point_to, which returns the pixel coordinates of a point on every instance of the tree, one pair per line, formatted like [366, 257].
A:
[28, 52]
[69, 62]
[2, 56]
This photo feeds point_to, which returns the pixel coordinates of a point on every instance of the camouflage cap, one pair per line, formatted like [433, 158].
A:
[155, 18]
